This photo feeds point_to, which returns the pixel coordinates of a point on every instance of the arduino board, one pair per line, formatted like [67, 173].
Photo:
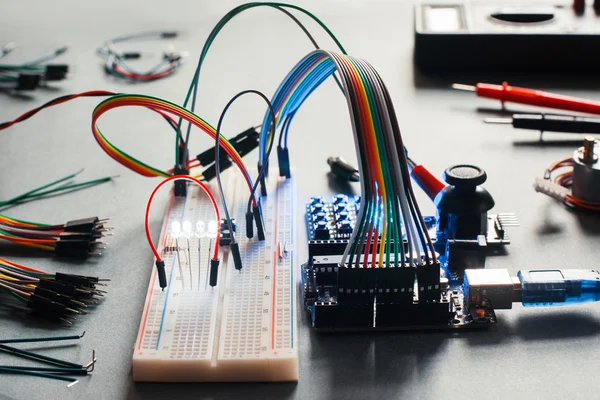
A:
[390, 298]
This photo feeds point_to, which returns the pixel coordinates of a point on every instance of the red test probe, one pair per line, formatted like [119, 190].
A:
[533, 97]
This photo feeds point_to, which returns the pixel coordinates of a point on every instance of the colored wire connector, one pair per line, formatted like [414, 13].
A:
[377, 240]
[117, 66]
[191, 96]
[261, 174]
[30, 75]
[160, 264]
[559, 186]
[78, 238]
[163, 107]
[54, 297]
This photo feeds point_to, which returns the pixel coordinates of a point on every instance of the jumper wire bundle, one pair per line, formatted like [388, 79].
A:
[389, 211]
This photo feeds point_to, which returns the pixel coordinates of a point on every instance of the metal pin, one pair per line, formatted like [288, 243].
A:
[179, 264]
[91, 363]
[285, 248]
[199, 260]
[208, 264]
[498, 120]
[189, 256]
[588, 148]
[467, 88]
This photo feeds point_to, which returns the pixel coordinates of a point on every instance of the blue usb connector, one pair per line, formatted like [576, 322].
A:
[559, 287]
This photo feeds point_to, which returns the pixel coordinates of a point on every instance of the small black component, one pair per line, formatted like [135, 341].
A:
[225, 225]
[260, 226]
[249, 225]
[162, 275]
[214, 272]
[321, 229]
[66, 301]
[180, 185]
[463, 205]
[324, 272]
[131, 55]
[225, 238]
[172, 55]
[310, 286]
[332, 316]
[421, 314]
[237, 257]
[344, 227]
[28, 81]
[66, 289]
[207, 157]
[342, 169]
[83, 225]
[395, 285]
[66, 247]
[47, 308]
[56, 72]
[283, 156]
[244, 143]
[169, 34]
[428, 282]
[211, 172]
[84, 282]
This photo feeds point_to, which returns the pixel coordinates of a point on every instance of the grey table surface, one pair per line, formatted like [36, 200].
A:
[533, 353]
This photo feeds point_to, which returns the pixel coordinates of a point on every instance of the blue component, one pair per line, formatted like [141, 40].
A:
[316, 200]
[320, 216]
[317, 208]
[339, 207]
[340, 198]
[559, 287]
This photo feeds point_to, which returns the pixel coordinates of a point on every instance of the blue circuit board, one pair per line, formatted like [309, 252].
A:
[392, 307]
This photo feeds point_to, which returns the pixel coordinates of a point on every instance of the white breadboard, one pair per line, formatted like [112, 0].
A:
[244, 329]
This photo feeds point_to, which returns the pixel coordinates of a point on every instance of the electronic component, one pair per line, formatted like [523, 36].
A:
[502, 36]
[578, 184]
[244, 143]
[30, 75]
[115, 59]
[244, 328]
[464, 230]
[550, 123]
[495, 288]
[55, 297]
[345, 298]
[343, 170]
[463, 205]
[586, 171]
